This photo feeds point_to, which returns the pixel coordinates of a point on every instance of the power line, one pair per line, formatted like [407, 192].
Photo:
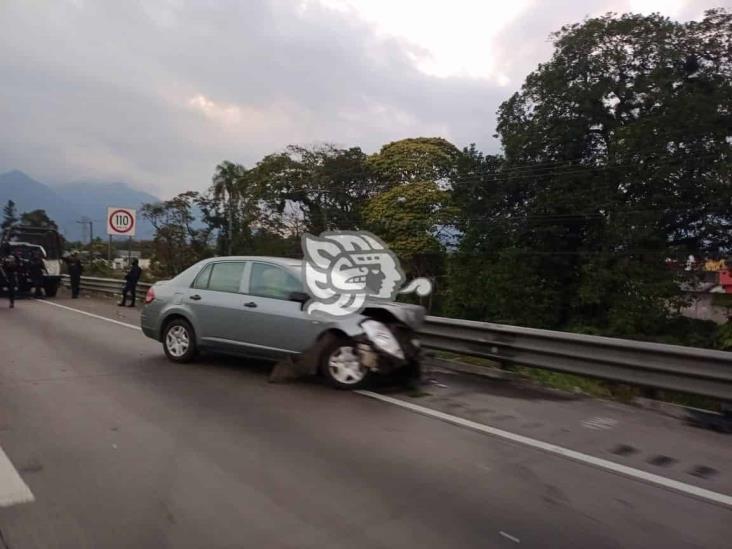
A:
[558, 172]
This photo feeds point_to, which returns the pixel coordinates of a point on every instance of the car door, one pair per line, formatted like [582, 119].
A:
[215, 301]
[272, 320]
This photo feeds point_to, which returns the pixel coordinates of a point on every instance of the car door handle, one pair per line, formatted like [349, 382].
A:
[195, 297]
[250, 304]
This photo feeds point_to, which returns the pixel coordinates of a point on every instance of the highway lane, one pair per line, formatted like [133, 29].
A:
[121, 448]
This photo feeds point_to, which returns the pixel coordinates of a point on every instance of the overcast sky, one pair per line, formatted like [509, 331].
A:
[157, 92]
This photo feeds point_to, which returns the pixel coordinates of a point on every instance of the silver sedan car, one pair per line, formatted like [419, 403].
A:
[254, 306]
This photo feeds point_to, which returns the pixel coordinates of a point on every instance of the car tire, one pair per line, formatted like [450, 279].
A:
[179, 340]
[340, 364]
[50, 288]
[410, 375]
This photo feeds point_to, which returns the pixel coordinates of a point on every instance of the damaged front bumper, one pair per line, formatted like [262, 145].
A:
[379, 361]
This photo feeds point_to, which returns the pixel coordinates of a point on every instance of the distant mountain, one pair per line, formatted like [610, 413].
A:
[68, 203]
[29, 194]
[93, 198]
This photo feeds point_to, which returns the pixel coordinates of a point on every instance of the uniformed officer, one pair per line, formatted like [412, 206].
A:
[9, 273]
[75, 271]
[130, 287]
[36, 269]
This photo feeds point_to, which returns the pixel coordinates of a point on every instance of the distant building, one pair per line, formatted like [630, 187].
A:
[122, 260]
[124, 254]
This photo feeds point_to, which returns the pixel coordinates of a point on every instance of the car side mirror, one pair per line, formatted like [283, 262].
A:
[299, 297]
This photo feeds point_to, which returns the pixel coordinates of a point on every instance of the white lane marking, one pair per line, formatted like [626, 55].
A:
[509, 536]
[100, 317]
[12, 488]
[702, 493]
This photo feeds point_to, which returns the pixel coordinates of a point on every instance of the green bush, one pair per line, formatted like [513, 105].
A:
[100, 268]
[724, 337]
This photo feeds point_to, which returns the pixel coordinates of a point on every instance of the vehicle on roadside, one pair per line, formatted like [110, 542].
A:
[254, 306]
[24, 241]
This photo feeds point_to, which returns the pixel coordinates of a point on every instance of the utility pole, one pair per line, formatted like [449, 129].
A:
[86, 221]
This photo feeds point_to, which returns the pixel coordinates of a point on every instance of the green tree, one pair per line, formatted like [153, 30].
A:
[10, 215]
[228, 190]
[414, 220]
[38, 218]
[415, 159]
[617, 157]
[178, 241]
[313, 189]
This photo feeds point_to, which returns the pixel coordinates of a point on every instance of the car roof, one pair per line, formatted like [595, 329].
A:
[284, 261]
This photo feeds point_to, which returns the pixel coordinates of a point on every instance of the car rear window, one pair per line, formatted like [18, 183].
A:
[201, 282]
[226, 277]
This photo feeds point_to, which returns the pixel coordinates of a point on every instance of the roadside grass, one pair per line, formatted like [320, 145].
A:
[576, 384]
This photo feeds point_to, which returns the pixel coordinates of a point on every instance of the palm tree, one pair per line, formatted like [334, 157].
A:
[227, 183]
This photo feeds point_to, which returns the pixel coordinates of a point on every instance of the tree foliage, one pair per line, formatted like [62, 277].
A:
[10, 215]
[228, 191]
[617, 157]
[415, 159]
[412, 218]
[315, 189]
[178, 241]
[38, 218]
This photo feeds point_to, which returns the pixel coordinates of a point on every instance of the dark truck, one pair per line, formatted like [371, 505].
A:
[24, 241]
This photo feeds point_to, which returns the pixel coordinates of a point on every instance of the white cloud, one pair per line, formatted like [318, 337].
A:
[671, 8]
[454, 38]
[226, 114]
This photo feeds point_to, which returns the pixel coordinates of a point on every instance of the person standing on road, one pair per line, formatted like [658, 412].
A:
[75, 270]
[36, 269]
[9, 273]
[130, 287]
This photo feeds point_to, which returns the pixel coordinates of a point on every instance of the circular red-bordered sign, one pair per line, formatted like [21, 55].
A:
[118, 229]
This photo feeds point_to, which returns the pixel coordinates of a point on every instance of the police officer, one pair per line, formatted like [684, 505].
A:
[75, 270]
[9, 273]
[36, 269]
[130, 287]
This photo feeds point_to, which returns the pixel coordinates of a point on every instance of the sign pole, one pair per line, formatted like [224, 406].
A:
[109, 249]
[121, 221]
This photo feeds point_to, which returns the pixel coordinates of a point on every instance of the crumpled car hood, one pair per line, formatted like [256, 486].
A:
[409, 314]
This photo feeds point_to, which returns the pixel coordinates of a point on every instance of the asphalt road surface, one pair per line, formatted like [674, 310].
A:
[121, 448]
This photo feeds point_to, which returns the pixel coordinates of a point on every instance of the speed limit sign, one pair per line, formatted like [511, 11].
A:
[121, 221]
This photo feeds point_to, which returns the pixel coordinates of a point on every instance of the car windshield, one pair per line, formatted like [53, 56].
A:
[296, 271]
[26, 251]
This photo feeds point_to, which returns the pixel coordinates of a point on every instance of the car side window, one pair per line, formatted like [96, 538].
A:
[201, 282]
[271, 281]
[226, 276]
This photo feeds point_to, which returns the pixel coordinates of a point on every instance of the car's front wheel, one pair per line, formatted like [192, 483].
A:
[341, 365]
[179, 342]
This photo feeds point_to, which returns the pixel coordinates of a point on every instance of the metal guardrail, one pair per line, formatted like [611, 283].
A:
[110, 286]
[703, 372]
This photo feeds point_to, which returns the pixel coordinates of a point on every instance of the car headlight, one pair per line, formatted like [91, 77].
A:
[382, 338]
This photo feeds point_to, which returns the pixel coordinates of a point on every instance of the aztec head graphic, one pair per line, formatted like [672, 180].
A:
[343, 269]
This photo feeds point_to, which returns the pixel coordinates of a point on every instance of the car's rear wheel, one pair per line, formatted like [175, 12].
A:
[341, 365]
[179, 341]
[50, 287]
